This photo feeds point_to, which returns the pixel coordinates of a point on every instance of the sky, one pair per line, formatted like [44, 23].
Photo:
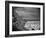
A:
[29, 13]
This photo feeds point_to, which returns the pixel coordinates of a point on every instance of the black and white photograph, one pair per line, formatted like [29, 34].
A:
[24, 18]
